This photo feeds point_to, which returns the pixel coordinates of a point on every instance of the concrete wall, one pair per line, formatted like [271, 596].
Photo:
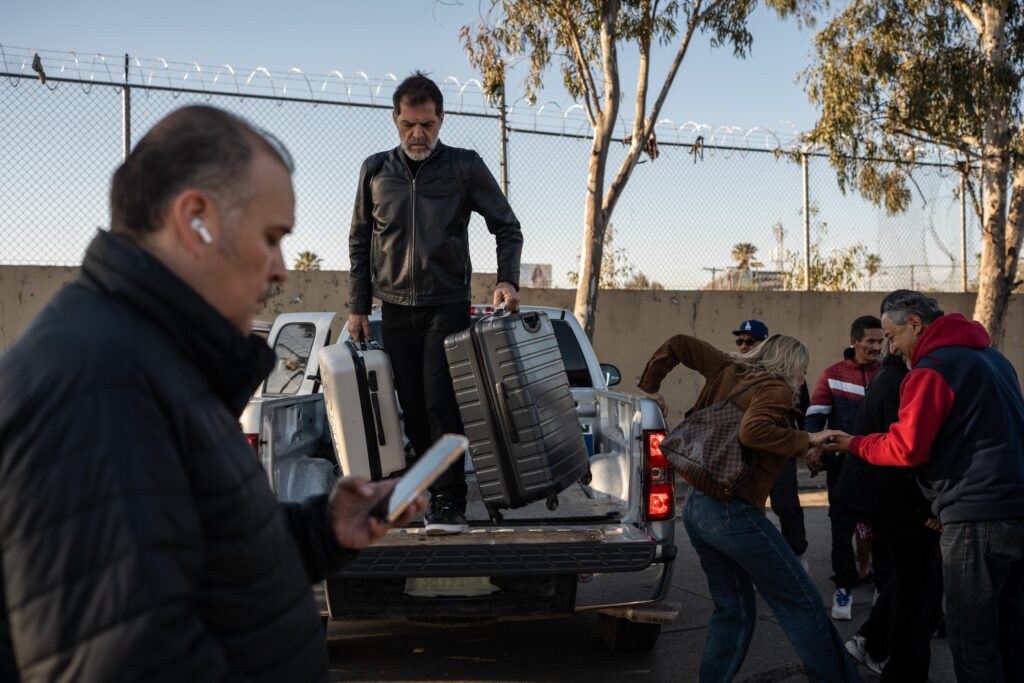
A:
[631, 325]
[24, 290]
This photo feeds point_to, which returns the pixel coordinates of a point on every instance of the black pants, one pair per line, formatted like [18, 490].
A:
[786, 505]
[900, 624]
[414, 338]
[843, 522]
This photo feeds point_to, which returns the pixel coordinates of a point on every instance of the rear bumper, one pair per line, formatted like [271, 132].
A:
[535, 573]
[513, 551]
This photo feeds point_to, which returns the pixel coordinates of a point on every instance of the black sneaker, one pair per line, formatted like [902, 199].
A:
[444, 516]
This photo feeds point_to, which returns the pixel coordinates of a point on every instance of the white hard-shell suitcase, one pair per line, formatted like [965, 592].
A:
[362, 411]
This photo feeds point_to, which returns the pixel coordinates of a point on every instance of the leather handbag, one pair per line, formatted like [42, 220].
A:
[705, 448]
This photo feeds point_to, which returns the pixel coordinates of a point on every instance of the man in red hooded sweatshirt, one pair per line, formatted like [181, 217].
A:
[961, 423]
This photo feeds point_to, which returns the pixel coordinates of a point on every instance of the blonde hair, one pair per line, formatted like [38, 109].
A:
[779, 356]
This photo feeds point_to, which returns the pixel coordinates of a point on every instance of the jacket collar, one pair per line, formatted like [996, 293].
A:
[951, 329]
[233, 363]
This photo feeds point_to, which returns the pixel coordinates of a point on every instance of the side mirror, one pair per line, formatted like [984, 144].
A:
[612, 376]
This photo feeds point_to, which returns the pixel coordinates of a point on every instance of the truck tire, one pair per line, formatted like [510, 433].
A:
[623, 635]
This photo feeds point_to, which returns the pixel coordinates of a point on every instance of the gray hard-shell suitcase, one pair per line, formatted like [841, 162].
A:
[517, 410]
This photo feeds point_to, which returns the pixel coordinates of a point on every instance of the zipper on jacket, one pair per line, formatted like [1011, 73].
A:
[412, 246]
[411, 254]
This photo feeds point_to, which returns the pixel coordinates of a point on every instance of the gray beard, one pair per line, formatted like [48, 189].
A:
[420, 156]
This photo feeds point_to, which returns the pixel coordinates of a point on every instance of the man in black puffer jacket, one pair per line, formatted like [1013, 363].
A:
[140, 537]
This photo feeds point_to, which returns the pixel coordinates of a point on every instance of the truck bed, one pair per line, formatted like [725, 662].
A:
[573, 504]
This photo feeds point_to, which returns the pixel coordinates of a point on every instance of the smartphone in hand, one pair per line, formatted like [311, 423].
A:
[420, 476]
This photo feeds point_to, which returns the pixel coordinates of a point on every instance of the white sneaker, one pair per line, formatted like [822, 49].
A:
[856, 647]
[842, 605]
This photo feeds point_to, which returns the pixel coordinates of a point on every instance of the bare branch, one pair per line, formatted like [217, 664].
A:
[610, 63]
[699, 17]
[643, 74]
[639, 141]
[961, 146]
[975, 200]
[591, 101]
[966, 10]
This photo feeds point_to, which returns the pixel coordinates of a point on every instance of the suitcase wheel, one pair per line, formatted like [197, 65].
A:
[496, 516]
[552, 502]
[587, 478]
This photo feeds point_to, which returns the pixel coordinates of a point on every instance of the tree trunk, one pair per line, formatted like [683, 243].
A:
[595, 219]
[994, 282]
[594, 226]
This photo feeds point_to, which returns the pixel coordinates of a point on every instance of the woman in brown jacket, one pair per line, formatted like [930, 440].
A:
[738, 547]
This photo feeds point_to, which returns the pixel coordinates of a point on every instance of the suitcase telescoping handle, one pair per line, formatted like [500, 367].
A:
[531, 321]
[506, 414]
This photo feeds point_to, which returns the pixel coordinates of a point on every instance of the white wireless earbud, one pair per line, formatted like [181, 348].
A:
[200, 227]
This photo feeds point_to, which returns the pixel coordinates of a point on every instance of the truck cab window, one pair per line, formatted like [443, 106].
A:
[575, 362]
[292, 348]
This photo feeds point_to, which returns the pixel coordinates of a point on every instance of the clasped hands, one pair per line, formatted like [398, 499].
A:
[826, 441]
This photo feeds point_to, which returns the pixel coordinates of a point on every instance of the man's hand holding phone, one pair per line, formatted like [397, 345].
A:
[350, 511]
[361, 512]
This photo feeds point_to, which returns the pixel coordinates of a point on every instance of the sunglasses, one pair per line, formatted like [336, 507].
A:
[746, 342]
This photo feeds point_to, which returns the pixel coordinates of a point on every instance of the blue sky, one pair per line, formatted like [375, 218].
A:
[677, 220]
[398, 36]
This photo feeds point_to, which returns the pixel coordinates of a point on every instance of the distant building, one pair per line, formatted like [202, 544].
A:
[758, 280]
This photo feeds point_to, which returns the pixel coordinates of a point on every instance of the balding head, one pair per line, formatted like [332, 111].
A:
[198, 147]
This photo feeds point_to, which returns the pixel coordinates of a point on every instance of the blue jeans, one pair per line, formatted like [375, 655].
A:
[983, 571]
[738, 547]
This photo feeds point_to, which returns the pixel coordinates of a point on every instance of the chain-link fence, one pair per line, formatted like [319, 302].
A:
[716, 209]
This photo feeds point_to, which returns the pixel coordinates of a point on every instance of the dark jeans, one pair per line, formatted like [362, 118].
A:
[983, 571]
[900, 624]
[843, 522]
[414, 338]
[738, 547]
[785, 497]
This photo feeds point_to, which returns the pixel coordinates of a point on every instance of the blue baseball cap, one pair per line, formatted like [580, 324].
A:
[755, 328]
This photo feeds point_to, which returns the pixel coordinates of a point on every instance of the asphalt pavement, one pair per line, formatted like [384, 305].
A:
[569, 648]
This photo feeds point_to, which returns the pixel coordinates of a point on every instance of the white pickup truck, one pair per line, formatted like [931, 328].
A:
[609, 545]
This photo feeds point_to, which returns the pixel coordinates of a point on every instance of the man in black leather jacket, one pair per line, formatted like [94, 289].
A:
[140, 537]
[409, 247]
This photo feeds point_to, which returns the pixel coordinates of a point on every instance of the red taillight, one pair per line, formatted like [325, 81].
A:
[254, 441]
[659, 478]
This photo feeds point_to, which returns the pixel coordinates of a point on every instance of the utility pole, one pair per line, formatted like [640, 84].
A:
[807, 225]
[126, 114]
[963, 231]
[503, 130]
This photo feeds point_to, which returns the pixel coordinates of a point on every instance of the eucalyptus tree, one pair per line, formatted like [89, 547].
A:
[583, 37]
[894, 78]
